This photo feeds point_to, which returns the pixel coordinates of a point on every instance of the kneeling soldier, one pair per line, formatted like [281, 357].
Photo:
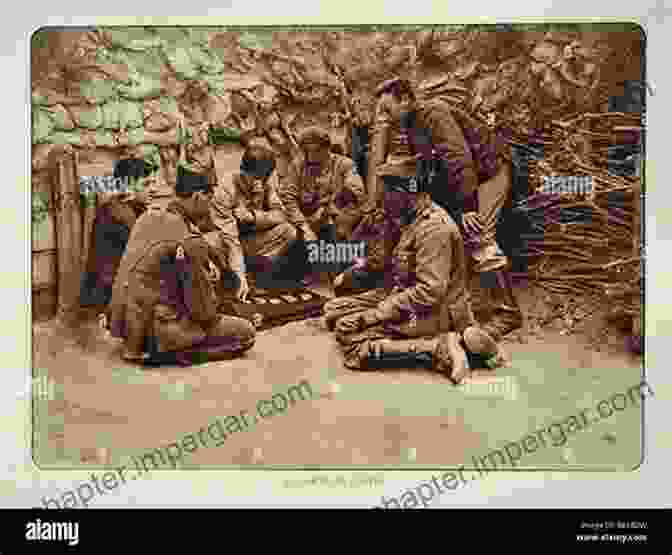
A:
[423, 315]
[164, 301]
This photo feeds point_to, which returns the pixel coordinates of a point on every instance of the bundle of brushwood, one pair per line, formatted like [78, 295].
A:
[587, 242]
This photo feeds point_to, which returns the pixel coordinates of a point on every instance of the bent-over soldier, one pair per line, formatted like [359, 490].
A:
[164, 302]
[422, 316]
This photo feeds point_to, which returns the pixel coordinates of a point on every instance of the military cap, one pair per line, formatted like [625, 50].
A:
[129, 168]
[189, 182]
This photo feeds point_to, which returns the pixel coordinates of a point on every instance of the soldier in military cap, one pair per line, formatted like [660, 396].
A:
[116, 214]
[164, 299]
[422, 315]
[249, 218]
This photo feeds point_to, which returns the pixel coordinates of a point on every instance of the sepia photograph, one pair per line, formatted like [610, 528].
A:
[354, 248]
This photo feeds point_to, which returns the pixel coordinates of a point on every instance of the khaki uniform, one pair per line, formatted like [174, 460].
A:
[428, 294]
[163, 302]
[266, 240]
[394, 154]
[339, 190]
[111, 229]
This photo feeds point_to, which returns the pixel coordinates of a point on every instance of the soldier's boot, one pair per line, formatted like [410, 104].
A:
[383, 354]
[443, 354]
[478, 341]
[506, 314]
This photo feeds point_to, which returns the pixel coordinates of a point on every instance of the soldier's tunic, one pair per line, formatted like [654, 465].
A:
[111, 229]
[339, 189]
[162, 302]
[239, 240]
[428, 295]
[198, 165]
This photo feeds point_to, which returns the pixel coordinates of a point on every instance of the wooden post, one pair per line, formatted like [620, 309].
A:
[68, 237]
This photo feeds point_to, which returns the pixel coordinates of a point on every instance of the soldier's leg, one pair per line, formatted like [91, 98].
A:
[228, 338]
[337, 308]
[274, 255]
[444, 354]
[492, 196]
[506, 313]
[490, 261]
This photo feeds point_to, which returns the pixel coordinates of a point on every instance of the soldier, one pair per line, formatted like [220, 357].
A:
[116, 215]
[423, 316]
[324, 194]
[249, 218]
[164, 302]
[197, 159]
[427, 139]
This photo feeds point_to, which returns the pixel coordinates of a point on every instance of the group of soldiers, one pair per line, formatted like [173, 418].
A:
[427, 216]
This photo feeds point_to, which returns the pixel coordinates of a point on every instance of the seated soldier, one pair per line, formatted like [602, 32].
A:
[115, 217]
[424, 306]
[323, 195]
[250, 222]
[164, 302]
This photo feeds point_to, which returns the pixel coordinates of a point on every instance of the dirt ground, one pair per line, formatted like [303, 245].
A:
[106, 410]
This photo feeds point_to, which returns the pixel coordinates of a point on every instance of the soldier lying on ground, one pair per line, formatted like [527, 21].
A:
[164, 302]
[250, 221]
[427, 141]
[422, 316]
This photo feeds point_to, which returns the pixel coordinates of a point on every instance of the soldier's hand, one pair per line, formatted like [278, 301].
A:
[318, 215]
[243, 289]
[370, 317]
[308, 234]
[349, 324]
[338, 281]
[472, 223]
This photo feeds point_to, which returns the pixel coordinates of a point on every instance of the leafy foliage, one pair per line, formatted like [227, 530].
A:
[39, 208]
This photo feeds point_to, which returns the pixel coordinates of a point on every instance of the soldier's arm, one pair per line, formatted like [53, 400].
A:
[380, 145]
[433, 269]
[213, 178]
[198, 292]
[289, 194]
[275, 214]
[221, 215]
[352, 193]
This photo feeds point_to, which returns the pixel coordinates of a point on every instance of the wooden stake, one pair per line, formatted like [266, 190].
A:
[68, 237]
